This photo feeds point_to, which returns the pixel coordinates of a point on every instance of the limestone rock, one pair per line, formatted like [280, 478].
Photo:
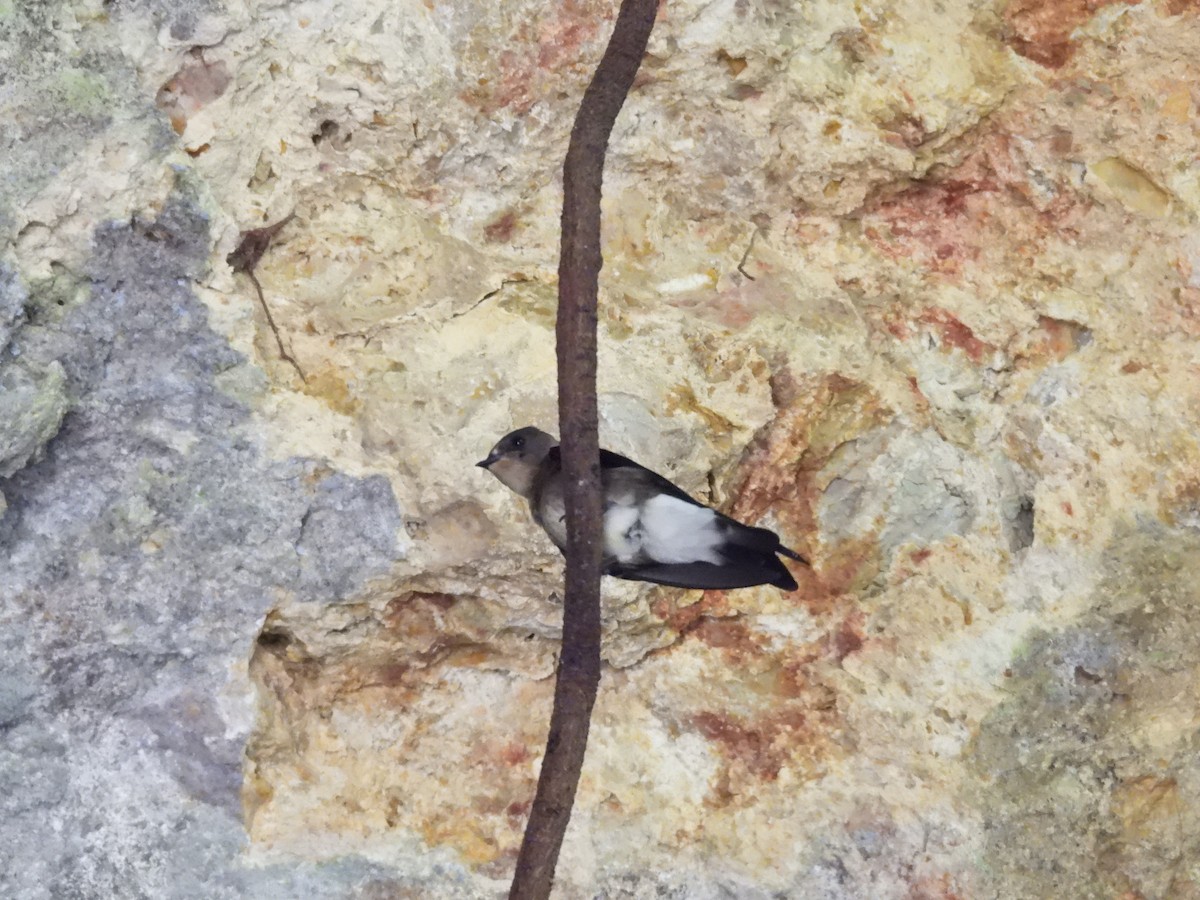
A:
[915, 284]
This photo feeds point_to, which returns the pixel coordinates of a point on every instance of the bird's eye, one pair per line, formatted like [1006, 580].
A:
[518, 443]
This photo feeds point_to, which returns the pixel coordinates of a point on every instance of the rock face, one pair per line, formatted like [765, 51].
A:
[916, 285]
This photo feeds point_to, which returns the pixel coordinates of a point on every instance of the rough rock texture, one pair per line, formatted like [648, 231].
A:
[916, 284]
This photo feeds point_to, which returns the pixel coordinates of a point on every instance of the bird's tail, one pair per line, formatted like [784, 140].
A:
[792, 554]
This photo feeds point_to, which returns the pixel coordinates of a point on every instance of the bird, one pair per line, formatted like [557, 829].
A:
[653, 531]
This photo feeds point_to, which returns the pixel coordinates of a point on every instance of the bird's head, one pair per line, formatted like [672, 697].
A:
[517, 456]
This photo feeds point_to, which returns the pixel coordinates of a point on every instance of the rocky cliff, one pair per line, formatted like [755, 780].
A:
[916, 284]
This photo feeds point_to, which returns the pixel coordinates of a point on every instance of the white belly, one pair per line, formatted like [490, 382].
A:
[622, 533]
[664, 529]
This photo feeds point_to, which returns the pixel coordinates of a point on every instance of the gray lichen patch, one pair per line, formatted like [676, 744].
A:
[1088, 782]
[49, 300]
[65, 84]
[13, 296]
[33, 399]
[32, 405]
[141, 552]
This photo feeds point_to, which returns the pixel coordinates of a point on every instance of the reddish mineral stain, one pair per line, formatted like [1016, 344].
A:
[729, 635]
[518, 809]
[440, 600]
[1061, 336]
[500, 231]
[514, 753]
[762, 745]
[542, 52]
[714, 604]
[934, 888]
[849, 637]
[955, 334]
[1040, 30]
[194, 86]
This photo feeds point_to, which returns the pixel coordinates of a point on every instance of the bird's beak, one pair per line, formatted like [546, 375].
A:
[491, 458]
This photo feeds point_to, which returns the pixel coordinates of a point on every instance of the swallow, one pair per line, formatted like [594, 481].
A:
[653, 530]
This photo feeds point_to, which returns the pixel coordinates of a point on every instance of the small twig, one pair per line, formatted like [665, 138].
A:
[578, 284]
[741, 267]
[245, 258]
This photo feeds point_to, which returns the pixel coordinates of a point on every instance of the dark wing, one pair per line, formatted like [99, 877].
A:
[655, 483]
[747, 535]
[748, 553]
[711, 576]
[747, 558]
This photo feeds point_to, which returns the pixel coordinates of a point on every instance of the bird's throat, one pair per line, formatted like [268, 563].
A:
[515, 476]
